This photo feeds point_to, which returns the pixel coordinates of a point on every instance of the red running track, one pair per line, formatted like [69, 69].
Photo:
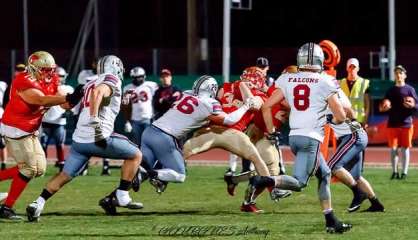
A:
[375, 156]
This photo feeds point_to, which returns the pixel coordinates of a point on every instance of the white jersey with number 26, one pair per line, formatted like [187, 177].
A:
[307, 94]
[188, 113]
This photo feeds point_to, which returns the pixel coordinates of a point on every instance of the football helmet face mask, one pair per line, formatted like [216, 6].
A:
[310, 56]
[110, 64]
[41, 65]
[255, 76]
[138, 75]
[205, 86]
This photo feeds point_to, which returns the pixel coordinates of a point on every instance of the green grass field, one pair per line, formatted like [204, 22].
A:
[202, 204]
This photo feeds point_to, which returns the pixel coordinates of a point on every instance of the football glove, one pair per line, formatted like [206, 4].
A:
[329, 118]
[128, 127]
[354, 125]
[76, 96]
[127, 96]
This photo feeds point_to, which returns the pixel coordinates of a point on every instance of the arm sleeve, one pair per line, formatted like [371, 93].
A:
[155, 100]
[330, 87]
[279, 82]
[213, 106]
[414, 95]
[235, 116]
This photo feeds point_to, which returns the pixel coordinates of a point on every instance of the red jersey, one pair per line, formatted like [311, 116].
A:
[231, 100]
[20, 114]
[259, 119]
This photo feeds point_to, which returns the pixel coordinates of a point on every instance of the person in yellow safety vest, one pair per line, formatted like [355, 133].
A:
[357, 90]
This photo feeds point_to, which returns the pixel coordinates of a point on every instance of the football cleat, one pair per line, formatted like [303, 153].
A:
[230, 186]
[134, 205]
[159, 185]
[33, 212]
[105, 172]
[377, 207]
[403, 176]
[250, 207]
[356, 202]
[338, 227]
[140, 176]
[395, 176]
[109, 205]
[9, 214]
[277, 193]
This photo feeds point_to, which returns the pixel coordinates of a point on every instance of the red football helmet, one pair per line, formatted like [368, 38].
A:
[255, 76]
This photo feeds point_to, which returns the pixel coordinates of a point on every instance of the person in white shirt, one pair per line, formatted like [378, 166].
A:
[54, 121]
[94, 137]
[137, 99]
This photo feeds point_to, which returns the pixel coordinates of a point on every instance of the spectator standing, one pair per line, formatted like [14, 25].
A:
[263, 64]
[165, 95]
[356, 89]
[401, 103]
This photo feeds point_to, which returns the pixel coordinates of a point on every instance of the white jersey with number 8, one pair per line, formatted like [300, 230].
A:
[188, 113]
[307, 94]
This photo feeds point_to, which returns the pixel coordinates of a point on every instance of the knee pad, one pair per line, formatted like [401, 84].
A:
[40, 165]
[40, 171]
[27, 171]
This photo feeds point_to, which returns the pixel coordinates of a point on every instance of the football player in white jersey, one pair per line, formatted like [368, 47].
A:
[193, 110]
[347, 162]
[308, 93]
[94, 137]
[137, 97]
[54, 121]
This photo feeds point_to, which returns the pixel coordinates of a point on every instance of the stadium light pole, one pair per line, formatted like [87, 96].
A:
[226, 50]
[25, 29]
[392, 50]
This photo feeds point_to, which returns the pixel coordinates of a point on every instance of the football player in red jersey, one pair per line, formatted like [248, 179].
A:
[32, 92]
[232, 138]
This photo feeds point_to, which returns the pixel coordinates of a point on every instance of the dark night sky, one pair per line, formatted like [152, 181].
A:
[271, 23]
[145, 24]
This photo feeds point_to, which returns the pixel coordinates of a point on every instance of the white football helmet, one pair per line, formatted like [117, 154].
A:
[61, 73]
[137, 72]
[205, 86]
[110, 64]
[310, 56]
